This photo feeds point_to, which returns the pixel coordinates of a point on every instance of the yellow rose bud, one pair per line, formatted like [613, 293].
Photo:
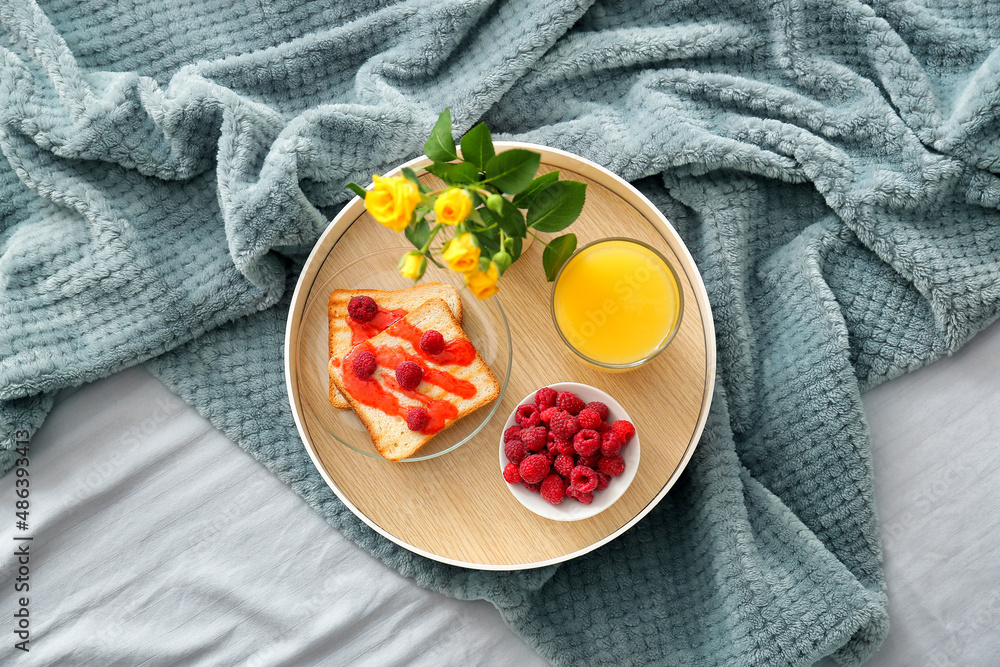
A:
[412, 265]
[452, 206]
[483, 283]
[461, 253]
[391, 201]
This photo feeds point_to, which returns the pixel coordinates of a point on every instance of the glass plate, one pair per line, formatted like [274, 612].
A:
[483, 321]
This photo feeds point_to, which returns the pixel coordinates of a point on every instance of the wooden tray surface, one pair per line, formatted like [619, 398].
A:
[455, 508]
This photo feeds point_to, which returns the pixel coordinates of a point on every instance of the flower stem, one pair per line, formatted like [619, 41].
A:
[430, 238]
[538, 238]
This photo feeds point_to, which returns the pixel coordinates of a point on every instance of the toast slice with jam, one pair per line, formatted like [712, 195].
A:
[346, 332]
[455, 382]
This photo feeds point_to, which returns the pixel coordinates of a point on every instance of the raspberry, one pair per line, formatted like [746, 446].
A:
[416, 419]
[602, 481]
[550, 455]
[611, 444]
[565, 447]
[532, 487]
[534, 468]
[545, 398]
[534, 438]
[527, 415]
[583, 479]
[589, 418]
[515, 451]
[552, 445]
[570, 402]
[589, 461]
[564, 425]
[362, 308]
[624, 430]
[511, 474]
[612, 465]
[599, 408]
[584, 497]
[511, 433]
[563, 465]
[603, 428]
[587, 442]
[409, 374]
[553, 489]
[432, 342]
[364, 364]
[546, 414]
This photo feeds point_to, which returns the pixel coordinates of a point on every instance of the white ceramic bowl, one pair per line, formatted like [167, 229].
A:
[570, 509]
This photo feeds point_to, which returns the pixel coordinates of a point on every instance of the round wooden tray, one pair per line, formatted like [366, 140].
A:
[455, 508]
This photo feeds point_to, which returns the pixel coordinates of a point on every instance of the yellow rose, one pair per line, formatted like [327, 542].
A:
[391, 201]
[412, 265]
[483, 283]
[452, 206]
[461, 253]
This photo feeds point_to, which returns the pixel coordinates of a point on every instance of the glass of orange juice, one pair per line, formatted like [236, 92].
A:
[617, 303]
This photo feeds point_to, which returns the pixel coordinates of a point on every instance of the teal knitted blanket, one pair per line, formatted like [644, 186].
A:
[832, 165]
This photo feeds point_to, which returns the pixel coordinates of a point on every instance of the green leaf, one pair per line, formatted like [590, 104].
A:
[460, 173]
[356, 189]
[411, 176]
[417, 233]
[557, 206]
[440, 145]
[512, 220]
[512, 170]
[556, 253]
[524, 198]
[474, 219]
[477, 146]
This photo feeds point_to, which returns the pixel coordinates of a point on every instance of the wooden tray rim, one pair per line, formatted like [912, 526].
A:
[555, 157]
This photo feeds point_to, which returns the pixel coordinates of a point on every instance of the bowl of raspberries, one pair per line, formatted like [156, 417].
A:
[568, 451]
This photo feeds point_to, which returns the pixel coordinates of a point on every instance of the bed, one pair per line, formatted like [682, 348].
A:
[158, 541]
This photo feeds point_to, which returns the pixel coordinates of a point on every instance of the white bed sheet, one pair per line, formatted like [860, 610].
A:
[158, 541]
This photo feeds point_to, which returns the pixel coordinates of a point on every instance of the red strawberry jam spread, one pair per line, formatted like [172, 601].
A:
[459, 352]
[381, 392]
[438, 411]
[362, 331]
[391, 356]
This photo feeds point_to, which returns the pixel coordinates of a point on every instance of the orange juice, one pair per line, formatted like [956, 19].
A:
[617, 302]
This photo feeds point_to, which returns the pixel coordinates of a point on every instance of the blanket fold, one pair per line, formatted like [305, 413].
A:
[833, 167]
